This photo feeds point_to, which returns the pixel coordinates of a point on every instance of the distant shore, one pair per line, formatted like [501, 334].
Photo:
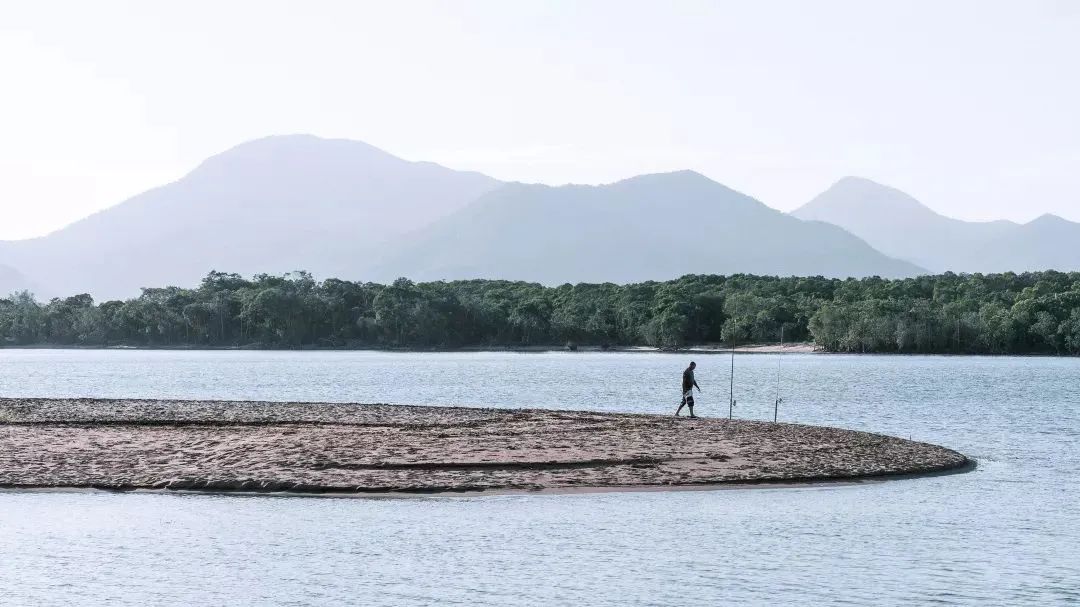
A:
[793, 348]
[313, 448]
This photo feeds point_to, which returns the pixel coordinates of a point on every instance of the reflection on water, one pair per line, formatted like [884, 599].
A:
[1005, 534]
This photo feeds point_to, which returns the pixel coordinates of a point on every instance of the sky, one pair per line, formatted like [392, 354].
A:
[970, 106]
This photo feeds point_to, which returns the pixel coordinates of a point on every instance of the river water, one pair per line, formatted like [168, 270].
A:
[1005, 534]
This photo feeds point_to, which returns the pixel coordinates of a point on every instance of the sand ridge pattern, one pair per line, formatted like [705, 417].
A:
[354, 448]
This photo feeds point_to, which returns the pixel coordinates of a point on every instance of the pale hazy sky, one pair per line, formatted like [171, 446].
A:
[972, 107]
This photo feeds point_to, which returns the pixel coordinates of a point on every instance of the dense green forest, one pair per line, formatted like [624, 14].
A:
[996, 313]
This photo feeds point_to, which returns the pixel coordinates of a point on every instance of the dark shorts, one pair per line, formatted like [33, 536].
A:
[688, 398]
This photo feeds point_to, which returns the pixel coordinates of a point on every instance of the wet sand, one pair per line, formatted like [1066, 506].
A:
[325, 448]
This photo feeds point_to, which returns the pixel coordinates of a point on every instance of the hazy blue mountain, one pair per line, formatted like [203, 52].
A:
[346, 209]
[270, 205]
[12, 280]
[1046, 243]
[900, 226]
[649, 227]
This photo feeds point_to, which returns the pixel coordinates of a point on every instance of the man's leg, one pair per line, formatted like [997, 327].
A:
[690, 404]
[682, 403]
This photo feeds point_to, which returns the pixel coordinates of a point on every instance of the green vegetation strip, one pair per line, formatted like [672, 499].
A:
[996, 313]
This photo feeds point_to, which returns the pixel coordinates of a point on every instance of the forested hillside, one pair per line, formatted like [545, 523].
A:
[998, 313]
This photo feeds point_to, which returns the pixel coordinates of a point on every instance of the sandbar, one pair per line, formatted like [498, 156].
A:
[363, 449]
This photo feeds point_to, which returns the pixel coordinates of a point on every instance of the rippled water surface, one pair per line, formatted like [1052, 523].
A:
[1008, 533]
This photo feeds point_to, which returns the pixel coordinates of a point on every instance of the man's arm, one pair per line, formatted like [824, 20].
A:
[697, 386]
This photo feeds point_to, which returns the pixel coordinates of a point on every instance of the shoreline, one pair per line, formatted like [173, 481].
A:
[705, 350]
[808, 483]
[800, 347]
[262, 448]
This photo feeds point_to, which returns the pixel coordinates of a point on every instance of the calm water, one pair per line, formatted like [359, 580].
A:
[1006, 534]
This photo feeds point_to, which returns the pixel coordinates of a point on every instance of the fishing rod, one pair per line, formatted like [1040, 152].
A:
[731, 387]
[779, 355]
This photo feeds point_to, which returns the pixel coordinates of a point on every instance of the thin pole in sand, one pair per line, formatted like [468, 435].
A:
[731, 387]
[779, 355]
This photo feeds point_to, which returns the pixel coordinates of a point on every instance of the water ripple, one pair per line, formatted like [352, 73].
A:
[1007, 534]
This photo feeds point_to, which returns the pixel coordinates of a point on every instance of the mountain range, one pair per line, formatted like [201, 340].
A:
[346, 209]
[271, 205]
[650, 227]
[900, 226]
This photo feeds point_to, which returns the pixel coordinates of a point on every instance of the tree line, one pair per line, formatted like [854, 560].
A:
[1033, 312]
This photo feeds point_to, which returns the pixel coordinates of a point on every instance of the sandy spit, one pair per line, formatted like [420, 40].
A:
[324, 448]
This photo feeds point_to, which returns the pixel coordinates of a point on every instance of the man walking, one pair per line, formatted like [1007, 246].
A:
[688, 385]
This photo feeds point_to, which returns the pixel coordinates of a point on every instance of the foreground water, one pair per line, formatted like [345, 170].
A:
[1008, 533]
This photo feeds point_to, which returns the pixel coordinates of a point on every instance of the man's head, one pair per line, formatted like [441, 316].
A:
[693, 364]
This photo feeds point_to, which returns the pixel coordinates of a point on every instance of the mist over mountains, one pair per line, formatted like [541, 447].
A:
[900, 226]
[345, 209]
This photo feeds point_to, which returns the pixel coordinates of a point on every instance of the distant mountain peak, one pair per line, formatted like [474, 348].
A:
[902, 227]
[1049, 219]
[674, 182]
[648, 227]
[267, 205]
[867, 192]
[855, 180]
[291, 139]
[286, 150]
[683, 176]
